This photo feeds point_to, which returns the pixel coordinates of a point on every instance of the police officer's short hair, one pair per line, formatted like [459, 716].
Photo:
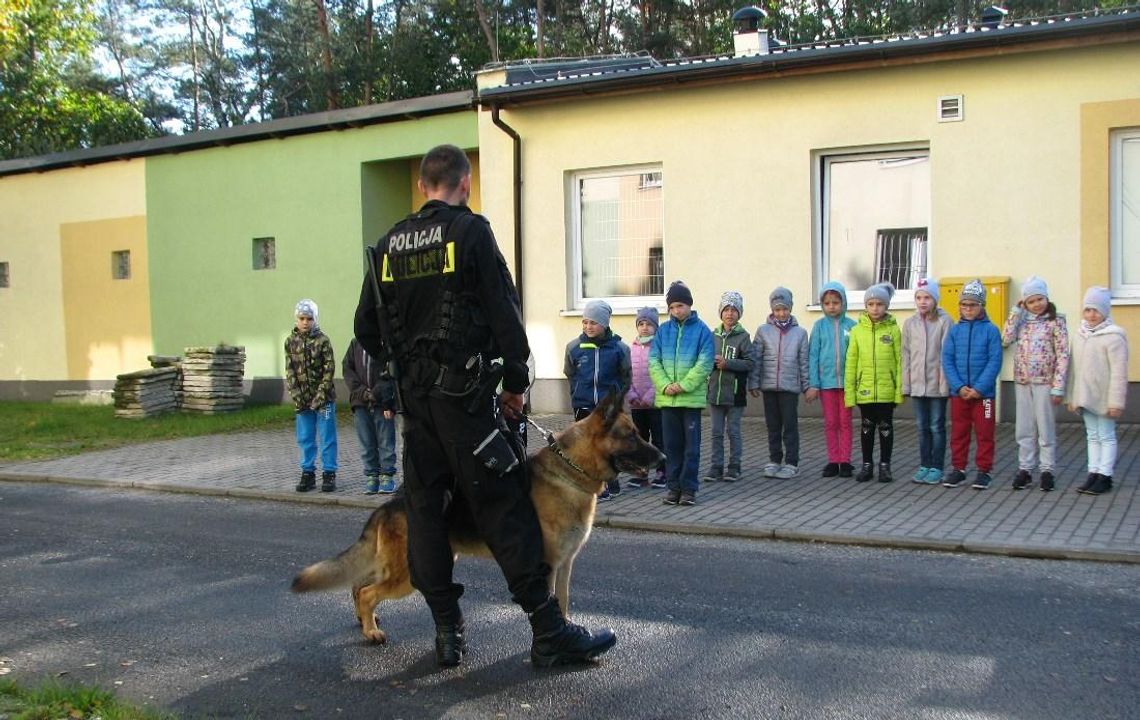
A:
[444, 166]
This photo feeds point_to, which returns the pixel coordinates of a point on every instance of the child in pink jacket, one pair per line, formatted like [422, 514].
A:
[641, 394]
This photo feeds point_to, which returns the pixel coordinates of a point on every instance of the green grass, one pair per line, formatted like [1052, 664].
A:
[39, 431]
[51, 701]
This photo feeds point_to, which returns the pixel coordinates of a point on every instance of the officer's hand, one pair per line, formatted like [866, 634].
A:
[512, 404]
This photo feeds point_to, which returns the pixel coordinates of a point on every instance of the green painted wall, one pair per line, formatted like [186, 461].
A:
[321, 196]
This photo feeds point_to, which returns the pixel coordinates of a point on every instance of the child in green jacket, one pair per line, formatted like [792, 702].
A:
[873, 378]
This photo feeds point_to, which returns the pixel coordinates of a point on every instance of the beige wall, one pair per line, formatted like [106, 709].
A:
[33, 209]
[1006, 183]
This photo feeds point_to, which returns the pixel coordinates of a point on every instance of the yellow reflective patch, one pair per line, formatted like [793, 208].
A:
[449, 260]
[386, 273]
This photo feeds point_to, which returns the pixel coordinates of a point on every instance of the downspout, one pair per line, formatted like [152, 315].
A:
[517, 196]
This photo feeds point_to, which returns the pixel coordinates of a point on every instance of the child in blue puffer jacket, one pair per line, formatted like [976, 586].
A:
[827, 355]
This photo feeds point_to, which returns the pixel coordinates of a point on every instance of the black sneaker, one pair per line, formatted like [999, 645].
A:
[688, 499]
[1047, 481]
[982, 480]
[954, 478]
[1022, 480]
[638, 482]
[885, 475]
[328, 481]
[1102, 485]
[865, 473]
[308, 481]
[672, 497]
[614, 487]
[1089, 482]
[846, 470]
[731, 476]
[830, 470]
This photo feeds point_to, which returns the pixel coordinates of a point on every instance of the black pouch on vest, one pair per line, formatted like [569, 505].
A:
[496, 453]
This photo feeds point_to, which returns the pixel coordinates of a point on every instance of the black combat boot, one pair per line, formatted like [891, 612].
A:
[308, 481]
[885, 475]
[328, 481]
[450, 644]
[558, 642]
[865, 473]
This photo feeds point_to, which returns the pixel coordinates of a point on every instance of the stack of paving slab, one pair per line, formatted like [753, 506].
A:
[145, 393]
[211, 379]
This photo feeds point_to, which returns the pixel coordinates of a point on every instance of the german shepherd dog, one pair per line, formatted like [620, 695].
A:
[565, 481]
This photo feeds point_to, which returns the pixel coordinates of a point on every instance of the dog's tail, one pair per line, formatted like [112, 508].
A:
[357, 563]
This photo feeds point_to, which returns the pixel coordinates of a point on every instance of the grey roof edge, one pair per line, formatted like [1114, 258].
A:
[672, 72]
[284, 127]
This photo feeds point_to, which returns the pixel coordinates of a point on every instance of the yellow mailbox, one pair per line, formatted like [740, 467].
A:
[997, 295]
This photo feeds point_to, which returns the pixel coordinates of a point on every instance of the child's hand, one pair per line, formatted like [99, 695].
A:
[1072, 408]
[964, 393]
[718, 362]
[1115, 412]
[388, 414]
[1056, 400]
[811, 395]
[754, 392]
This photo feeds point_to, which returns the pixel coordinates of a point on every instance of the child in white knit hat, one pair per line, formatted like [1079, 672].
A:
[309, 370]
[923, 379]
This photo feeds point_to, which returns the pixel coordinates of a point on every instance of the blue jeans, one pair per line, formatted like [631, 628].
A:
[720, 416]
[377, 437]
[681, 431]
[930, 416]
[310, 424]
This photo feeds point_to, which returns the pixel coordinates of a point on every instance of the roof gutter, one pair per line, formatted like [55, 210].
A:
[516, 181]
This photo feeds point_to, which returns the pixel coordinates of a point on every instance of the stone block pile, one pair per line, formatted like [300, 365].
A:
[211, 379]
[146, 392]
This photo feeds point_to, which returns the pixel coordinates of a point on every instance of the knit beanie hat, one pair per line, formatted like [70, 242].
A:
[731, 299]
[974, 290]
[599, 311]
[650, 315]
[1034, 286]
[929, 285]
[1099, 299]
[306, 307]
[780, 297]
[679, 292]
[882, 291]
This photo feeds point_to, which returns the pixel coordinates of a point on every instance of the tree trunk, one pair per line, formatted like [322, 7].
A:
[541, 27]
[326, 54]
[488, 33]
[369, 42]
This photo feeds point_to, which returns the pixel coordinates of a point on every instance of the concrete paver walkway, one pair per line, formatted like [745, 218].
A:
[1059, 524]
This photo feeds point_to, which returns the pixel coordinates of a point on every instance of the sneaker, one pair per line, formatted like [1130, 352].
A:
[1022, 480]
[672, 497]
[328, 481]
[604, 496]
[787, 471]
[638, 483]
[688, 499]
[614, 487]
[1047, 481]
[830, 470]
[885, 475]
[712, 476]
[865, 473]
[933, 476]
[954, 478]
[981, 480]
[771, 469]
[1102, 485]
[659, 482]
[920, 476]
[846, 470]
[1088, 483]
[308, 481]
[372, 486]
[731, 476]
[387, 485]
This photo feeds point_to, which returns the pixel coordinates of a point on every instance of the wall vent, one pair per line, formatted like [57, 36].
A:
[950, 108]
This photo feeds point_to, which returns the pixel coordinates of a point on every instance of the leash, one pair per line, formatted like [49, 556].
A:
[553, 444]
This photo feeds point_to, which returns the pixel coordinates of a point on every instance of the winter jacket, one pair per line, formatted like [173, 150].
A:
[1098, 373]
[728, 386]
[971, 356]
[779, 358]
[1042, 356]
[922, 373]
[309, 369]
[595, 368]
[641, 393]
[827, 349]
[681, 353]
[368, 381]
[873, 373]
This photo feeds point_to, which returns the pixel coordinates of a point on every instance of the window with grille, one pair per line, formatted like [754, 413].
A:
[4, 282]
[264, 253]
[872, 219]
[121, 265]
[617, 236]
[1124, 214]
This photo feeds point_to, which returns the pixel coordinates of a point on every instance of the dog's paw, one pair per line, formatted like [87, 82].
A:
[375, 635]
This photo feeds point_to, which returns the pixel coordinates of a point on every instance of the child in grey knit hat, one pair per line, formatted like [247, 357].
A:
[727, 393]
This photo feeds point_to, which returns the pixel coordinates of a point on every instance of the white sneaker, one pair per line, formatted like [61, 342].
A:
[771, 469]
[787, 471]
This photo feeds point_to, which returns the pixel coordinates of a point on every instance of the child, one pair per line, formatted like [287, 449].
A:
[1099, 384]
[372, 396]
[641, 393]
[780, 372]
[971, 359]
[923, 379]
[827, 354]
[680, 360]
[873, 379]
[597, 364]
[1040, 367]
[727, 385]
[309, 369]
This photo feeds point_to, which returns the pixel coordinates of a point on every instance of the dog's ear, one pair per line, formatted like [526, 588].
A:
[609, 408]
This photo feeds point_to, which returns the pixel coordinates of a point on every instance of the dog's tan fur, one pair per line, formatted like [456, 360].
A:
[564, 496]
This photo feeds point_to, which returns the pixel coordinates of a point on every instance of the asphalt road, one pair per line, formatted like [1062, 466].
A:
[182, 602]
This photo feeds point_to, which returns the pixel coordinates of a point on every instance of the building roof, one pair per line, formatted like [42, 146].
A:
[538, 80]
[284, 127]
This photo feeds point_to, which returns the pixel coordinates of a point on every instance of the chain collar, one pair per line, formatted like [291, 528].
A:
[553, 445]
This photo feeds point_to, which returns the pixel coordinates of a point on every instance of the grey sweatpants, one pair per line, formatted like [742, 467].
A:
[1036, 428]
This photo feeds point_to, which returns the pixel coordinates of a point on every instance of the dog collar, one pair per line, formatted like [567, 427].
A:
[553, 445]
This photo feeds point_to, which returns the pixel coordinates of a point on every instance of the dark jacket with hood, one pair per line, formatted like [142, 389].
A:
[369, 384]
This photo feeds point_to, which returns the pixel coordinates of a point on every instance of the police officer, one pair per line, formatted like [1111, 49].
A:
[448, 306]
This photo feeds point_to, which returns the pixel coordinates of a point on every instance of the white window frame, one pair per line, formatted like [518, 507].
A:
[821, 187]
[1117, 138]
[576, 300]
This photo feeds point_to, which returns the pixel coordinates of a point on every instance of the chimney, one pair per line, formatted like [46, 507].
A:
[993, 17]
[747, 35]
